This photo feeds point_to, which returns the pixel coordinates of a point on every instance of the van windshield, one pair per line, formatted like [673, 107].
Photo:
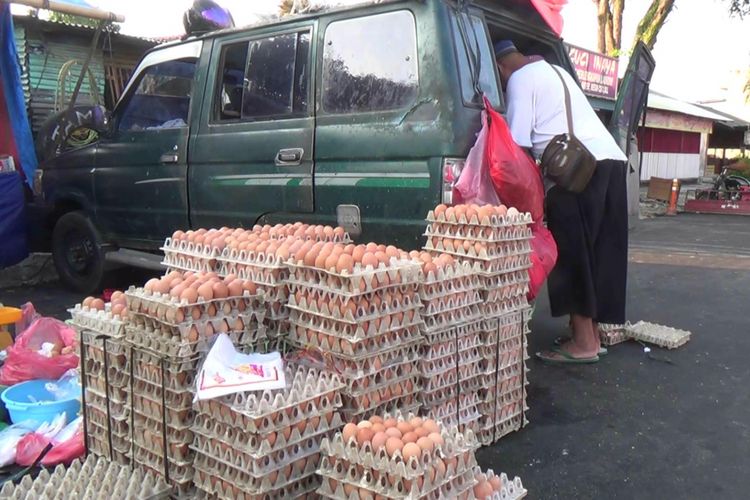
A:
[473, 47]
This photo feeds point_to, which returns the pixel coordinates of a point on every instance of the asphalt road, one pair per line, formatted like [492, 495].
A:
[664, 424]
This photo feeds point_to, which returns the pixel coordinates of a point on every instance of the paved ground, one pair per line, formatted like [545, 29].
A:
[669, 424]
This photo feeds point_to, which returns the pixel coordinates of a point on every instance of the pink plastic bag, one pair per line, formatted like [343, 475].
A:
[543, 258]
[474, 184]
[25, 362]
[514, 174]
[66, 451]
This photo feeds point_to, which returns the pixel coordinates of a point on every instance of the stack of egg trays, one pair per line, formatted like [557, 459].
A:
[92, 320]
[187, 256]
[450, 357]
[509, 489]
[267, 444]
[447, 471]
[162, 385]
[105, 373]
[90, 479]
[367, 326]
[502, 394]
[165, 319]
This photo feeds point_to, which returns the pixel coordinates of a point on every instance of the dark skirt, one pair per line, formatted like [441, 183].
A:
[591, 231]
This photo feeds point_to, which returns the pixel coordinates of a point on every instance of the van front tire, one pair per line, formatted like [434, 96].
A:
[77, 252]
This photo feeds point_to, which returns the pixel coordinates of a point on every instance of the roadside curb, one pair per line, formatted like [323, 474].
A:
[36, 269]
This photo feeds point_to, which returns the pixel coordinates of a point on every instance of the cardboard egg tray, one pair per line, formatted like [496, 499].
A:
[407, 402]
[495, 221]
[505, 392]
[171, 311]
[178, 373]
[382, 378]
[257, 445]
[446, 321]
[493, 434]
[479, 251]
[300, 473]
[218, 486]
[355, 310]
[97, 344]
[478, 234]
[514, 304]
[442, 348]
[101, 448]
[88, 479]
[258, 267]
[120, 441]
[98, 322]
[663, 336]
[469, 327]
[459, 411]
[116, 386]
[350, 484]
[178, 474]
[155, 392]
[506, 292]
[305, 333]
[98, 374]
[374, 397]
[305, 232]
[456, 303]
[459, 276]
[509, 489]
[118, 409]
[360, 281]
[95, 416]
[612, 334]
[189, 256]
[181, 340]
[444, 383]
[456, 445]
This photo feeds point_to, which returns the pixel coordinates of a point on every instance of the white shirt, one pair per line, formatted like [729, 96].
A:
[536, 112]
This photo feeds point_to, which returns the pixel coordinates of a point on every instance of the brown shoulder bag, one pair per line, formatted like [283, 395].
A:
[566, 161]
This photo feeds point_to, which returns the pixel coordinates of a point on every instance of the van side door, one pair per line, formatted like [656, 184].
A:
[253, 153]
[141, 165]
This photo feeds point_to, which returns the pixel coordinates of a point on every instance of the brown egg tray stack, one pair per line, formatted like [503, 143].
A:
[100, 322]
[451, 357]
[183, 255]
[266, 444]
[366, 327]
[169, 339]
[105, 375]
[350, 470]
[499, 249]
[492, 486]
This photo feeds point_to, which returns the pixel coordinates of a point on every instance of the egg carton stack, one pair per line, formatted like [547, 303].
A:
[260, 255]
[450, 363]
[196, 251]
[169, 337]
[496, 242]
[491, 486]
[92, 478]
[266, 444]
[361, 313]
[382, 458]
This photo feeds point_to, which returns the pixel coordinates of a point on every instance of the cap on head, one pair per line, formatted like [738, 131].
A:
[503, 48]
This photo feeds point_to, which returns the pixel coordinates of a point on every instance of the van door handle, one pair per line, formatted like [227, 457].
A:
[169, 158]
[289, 157]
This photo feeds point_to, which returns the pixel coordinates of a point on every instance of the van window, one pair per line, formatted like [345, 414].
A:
[264, 78]
[370, 63]
[162, 97]
[476, 35]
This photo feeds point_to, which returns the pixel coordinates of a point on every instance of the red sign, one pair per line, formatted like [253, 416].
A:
[597, 72]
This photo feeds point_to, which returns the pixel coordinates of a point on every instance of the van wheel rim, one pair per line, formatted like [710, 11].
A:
[80, 252]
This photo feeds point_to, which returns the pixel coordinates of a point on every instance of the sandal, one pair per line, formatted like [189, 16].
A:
[603, 351]
[567, 358]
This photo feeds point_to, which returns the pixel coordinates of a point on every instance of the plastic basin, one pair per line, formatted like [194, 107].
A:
[32, 402]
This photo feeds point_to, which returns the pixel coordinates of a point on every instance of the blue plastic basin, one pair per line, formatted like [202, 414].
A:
[32, 402]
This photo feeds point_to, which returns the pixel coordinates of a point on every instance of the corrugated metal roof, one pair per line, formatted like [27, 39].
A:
[657, 100]
[78, 26]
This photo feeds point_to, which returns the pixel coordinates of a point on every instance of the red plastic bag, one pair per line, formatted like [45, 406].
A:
[25, 362]
[66, 451]
[514, 174]
[543, 258]
[30, 447]
[474, 184]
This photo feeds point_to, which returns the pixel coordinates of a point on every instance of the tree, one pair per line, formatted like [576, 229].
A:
[609, 20]
[739, 7]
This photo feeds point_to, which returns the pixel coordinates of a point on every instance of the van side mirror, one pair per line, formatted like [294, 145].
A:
[72, 128]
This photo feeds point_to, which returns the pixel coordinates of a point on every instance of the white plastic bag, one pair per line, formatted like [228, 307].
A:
[67, 387]
[9, 438]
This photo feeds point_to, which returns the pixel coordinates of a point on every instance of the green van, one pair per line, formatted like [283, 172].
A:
[359, 116]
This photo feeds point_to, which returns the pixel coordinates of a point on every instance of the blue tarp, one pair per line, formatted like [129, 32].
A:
[13, 246]
[18, 136]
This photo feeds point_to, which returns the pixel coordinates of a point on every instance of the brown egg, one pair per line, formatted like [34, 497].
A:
[190, 295]
[97, 304]
[117, 309]
[390, 422]
[393, 432]
[411, 450]
[205, 291]
[235, 288]
[250, 287]
[349, 431]
[482, 490]
[440, 209]
[88, 300]
[430, 425]
[421, 432]
[378, 440]
[370, 259]
[410, 437]
[376, 419]
[392, 445]
[220, 290]
[364, 435]
[345, 264]
[425, 444]
[496, 483]
[358, 252]
[117, 296]
[331, 261]
[161, 286]
[404, 427]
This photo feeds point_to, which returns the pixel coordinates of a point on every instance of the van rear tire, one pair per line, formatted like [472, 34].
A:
[77, 253]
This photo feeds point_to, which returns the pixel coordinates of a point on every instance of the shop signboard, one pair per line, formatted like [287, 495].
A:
[596, 72]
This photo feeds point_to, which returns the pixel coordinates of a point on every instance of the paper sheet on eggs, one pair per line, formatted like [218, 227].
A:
[227, 371]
